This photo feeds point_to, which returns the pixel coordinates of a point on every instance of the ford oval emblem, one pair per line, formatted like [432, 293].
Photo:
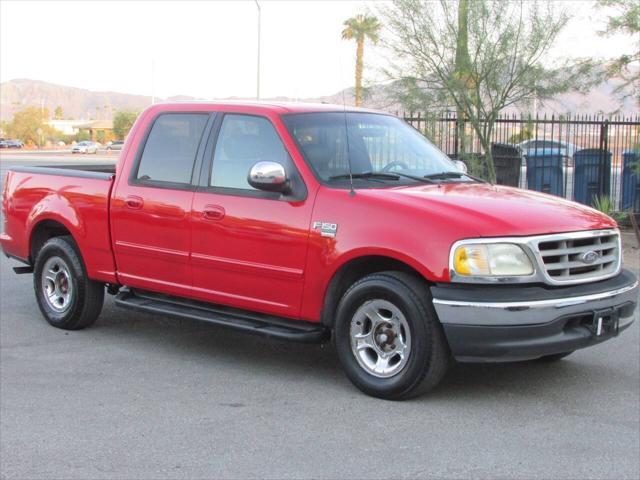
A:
[589, 257]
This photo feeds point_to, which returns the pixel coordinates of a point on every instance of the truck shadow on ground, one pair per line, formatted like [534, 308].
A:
[202, 342]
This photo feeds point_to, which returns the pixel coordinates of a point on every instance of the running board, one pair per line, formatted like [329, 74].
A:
[250, 322]
[23, 270]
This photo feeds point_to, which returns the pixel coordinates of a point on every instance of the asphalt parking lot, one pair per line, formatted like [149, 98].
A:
[142, 396]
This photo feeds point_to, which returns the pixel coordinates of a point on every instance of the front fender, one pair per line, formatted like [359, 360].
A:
[401, 257]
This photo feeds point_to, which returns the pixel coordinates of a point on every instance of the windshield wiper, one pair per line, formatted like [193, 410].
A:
[414, 177]
[366, 175]
[444, 175]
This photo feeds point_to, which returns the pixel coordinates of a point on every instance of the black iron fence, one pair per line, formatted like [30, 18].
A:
[586, 158]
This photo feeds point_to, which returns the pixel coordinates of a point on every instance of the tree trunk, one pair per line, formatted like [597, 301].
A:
[488, 159]
[483, 131]
[463, 62]
[359, 60]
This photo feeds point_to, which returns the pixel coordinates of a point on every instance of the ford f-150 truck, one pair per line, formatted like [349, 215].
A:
[312, 222]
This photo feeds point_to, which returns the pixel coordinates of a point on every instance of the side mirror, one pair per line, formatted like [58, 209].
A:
[460, 165]
[269, 176]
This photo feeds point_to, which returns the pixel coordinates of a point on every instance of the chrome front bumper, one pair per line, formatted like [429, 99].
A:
[506, 323]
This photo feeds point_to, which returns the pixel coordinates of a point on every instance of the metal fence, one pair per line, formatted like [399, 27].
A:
[581, 157]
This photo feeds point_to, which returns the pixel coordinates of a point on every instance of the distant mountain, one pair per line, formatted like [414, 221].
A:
[78, 103]
[599, 100]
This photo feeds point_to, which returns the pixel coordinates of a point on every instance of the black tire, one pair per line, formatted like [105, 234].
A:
[553, 358]
[429, 355]
[85, 296]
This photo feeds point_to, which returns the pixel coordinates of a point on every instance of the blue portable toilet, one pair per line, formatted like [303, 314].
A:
[592, 174]
[630, 181]
[544, 171]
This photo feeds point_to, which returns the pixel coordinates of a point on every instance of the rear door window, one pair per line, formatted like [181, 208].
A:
[243, 141]
[170, 150]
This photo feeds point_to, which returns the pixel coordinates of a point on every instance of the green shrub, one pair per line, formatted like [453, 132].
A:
[604, 204]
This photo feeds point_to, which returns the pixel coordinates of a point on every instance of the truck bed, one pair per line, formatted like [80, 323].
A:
[70, 197]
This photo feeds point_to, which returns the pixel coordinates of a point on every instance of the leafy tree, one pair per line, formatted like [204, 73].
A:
[478, 57]
[627, 21]
[122, 123]
[28, 125]
[360, 28]
[57, 113]
[82, 136]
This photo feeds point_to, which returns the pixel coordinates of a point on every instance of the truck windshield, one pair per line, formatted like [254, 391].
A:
[382, 149]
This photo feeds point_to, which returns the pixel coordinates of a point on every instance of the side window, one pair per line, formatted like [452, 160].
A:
[243, 141]
[170, 151]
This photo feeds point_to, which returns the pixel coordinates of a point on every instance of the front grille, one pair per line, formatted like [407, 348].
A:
[578, 257]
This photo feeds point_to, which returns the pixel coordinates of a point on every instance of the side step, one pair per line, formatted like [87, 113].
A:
[256, 323]
[23, 270]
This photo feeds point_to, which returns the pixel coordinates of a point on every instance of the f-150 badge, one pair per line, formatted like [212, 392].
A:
[327, 229]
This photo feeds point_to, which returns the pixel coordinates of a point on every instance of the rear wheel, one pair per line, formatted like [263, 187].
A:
[66, 297]
[388, 338]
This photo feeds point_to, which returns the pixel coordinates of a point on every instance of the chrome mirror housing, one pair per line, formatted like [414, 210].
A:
[269, 176]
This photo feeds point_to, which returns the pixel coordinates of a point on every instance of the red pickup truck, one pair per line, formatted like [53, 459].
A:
[307, 222]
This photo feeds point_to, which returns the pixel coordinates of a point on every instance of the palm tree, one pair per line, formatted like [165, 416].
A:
[359, 28]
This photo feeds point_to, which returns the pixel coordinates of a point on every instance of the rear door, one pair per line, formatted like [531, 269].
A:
[151, 209]
[248, 246]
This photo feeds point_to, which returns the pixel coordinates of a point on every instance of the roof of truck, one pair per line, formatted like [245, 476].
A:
[274, 107]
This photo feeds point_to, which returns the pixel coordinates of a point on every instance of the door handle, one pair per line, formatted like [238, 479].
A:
[213, 212]
[133, 202]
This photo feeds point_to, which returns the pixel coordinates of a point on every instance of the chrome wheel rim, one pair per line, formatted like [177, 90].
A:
[57, 284]
[380, 338]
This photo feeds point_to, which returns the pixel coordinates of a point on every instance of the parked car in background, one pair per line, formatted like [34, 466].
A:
[547, 147]
[115, 145]
[85, 147]
[11, 144]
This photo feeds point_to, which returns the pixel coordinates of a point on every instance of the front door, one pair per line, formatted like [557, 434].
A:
[249, 247]
[151, 209]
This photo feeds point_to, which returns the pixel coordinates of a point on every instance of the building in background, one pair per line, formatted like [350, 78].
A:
[68, 127]
[99, 130]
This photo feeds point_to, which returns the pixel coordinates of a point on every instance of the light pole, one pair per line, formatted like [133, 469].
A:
[258, 73]
[153, 80]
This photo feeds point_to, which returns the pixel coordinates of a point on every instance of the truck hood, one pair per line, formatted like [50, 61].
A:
[493, 210]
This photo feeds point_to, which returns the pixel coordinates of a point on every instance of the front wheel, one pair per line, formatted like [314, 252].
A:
[67, 298]
[388, 338]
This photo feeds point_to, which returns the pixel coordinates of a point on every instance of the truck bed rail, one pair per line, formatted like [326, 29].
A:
[100, 172]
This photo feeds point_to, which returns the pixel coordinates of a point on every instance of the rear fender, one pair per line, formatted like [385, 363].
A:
[95, 249]
[58, 209]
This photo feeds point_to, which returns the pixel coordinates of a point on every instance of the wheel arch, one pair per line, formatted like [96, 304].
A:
[44, 230]
[356, 267]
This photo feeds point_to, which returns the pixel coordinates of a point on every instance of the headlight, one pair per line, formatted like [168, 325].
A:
[491, 260]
